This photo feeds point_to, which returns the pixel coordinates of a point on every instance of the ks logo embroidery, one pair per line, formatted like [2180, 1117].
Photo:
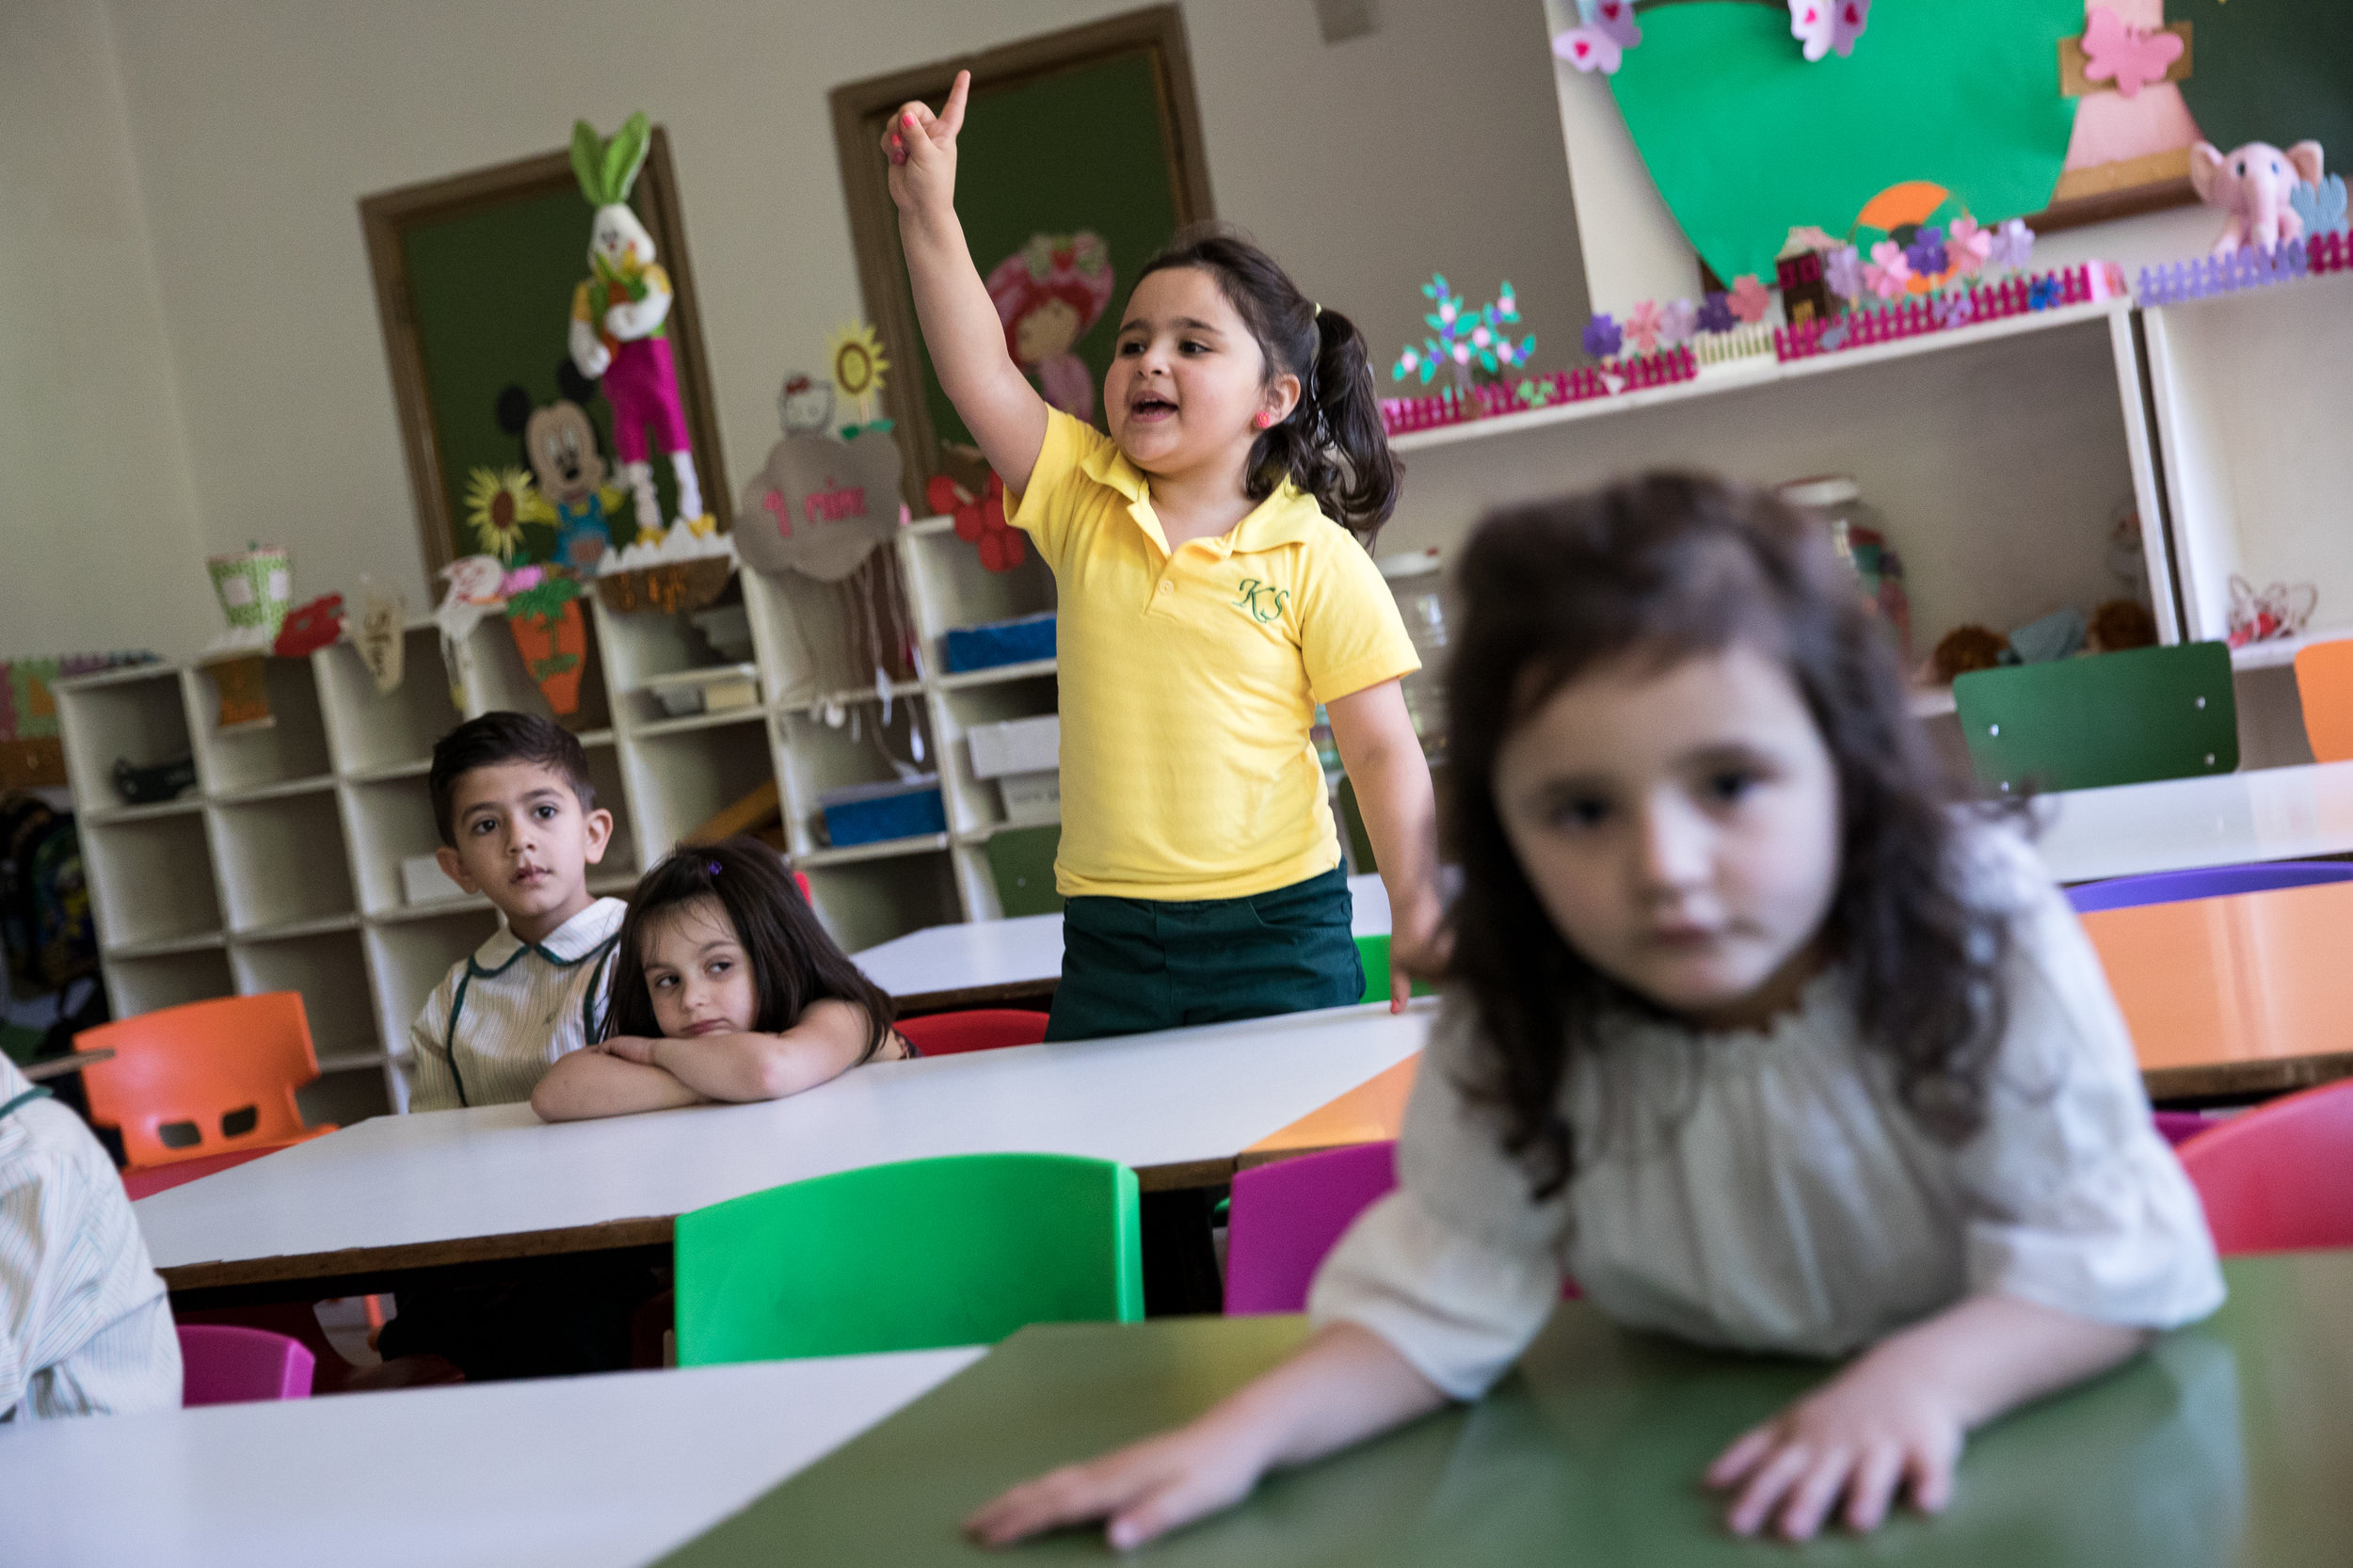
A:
[1262, 601]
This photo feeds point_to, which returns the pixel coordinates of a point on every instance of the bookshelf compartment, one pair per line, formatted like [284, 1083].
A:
[282, 861]
[151, 880]
[293, 746]
[369, 731]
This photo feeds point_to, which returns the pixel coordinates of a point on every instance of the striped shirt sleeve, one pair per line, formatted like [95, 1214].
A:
[432, 1085]
[84, 1323]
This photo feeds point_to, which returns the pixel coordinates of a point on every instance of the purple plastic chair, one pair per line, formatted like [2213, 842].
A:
[2176, 1126]
[2130, 893]
[1286, 1215]
[221, 1364]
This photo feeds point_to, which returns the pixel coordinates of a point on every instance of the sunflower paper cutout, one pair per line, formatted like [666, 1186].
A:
[859, 364]
[498, 503]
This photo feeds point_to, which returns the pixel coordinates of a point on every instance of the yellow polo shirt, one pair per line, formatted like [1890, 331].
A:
[1190, 681]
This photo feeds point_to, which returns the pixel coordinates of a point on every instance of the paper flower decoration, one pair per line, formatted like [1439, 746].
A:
[1844, 272]
[1953, 310]
[498, 503]
[1887, 273]
[858, 363]
[1641, 328]
[1464, 336]
[2042, 294]
[1716, 311]
[1749, 299]
[1966, 245]
[1602, 337]
[2013, 245]
[1600, 43]
[1924, 255]
[2321, 206]
[1676, 324]
[1823, 25]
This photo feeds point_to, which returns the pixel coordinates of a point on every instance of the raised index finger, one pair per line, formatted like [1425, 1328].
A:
[951, 112]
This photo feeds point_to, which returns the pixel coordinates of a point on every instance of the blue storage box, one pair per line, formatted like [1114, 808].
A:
[1003, 642]
[870, 813]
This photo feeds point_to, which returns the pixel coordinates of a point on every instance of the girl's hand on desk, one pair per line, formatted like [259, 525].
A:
[1141, 1491]
[1876, 1426]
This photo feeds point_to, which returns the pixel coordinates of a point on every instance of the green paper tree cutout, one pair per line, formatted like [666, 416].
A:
[1472, 346]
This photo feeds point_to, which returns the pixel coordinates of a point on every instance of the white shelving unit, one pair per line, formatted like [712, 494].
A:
[280, 869]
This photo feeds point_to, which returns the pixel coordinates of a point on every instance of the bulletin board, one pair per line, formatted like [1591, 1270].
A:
[2275, 70]
[473, 279]
[1091, 129]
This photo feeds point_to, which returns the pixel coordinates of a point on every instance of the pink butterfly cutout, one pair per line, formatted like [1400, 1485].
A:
[1601, 43]
[2125, 55]
[1823, 25]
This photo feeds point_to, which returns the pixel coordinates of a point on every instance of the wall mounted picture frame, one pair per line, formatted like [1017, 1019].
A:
[473, 279]
[1091, 133]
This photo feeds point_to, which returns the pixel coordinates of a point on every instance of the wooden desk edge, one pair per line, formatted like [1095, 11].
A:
[2261, 1076]
[648, 1231]
[1012, 992]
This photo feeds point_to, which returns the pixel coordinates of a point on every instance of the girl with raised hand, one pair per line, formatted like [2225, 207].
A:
[1214, 589]
[1747, 1032]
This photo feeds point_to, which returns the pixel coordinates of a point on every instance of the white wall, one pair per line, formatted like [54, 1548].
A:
[99, 542]
[1433, 145]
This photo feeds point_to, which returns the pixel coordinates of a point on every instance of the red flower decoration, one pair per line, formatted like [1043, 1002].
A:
[309, 627]
[980, 521]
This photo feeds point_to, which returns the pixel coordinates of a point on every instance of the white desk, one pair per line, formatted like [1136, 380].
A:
[979, 962]
[2179, 824]
[566, 1472]
[401, 1192]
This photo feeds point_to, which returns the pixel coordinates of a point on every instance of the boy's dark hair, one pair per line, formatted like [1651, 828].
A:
[1656, 569]
[793, 961]
[1333, 446]
[504, 737]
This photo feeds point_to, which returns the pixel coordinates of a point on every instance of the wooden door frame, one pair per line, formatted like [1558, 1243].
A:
[387, 216]
[860, 111]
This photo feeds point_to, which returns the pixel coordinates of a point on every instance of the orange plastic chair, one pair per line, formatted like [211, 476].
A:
[203, 1078]
[2323, 684]
[978, 1029]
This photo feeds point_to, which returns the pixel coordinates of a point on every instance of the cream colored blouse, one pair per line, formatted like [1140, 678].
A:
[1768, 1191]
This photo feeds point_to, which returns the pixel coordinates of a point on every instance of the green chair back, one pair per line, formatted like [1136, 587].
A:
[961, 1249]
[1374, 950]
[2114, 718]
[1022, 862]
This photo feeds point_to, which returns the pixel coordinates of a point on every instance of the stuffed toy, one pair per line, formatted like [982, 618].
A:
[1965, 648]
[560, 445]
[2253, 183]
[620, 324]
[2121, 624]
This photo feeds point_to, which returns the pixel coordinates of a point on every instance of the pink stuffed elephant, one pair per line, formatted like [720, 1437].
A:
[2252, 184]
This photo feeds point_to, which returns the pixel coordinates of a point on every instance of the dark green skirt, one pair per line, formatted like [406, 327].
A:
[1129, 964]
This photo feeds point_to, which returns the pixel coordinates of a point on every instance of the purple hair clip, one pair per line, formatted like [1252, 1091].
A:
[712, 866]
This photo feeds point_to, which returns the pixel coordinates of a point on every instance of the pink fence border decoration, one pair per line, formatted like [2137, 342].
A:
[1404, 415]
[2011, 297]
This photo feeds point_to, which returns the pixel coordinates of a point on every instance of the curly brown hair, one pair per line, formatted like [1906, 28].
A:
[1661, 568]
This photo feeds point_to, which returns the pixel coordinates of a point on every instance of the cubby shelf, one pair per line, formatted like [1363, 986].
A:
[282, 867]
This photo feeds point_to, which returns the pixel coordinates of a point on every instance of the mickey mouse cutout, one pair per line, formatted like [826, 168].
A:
[560, 445]
[620, 324]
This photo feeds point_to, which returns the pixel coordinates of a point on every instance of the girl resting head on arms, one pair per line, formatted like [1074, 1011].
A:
[724, 987]
[1748, 1030]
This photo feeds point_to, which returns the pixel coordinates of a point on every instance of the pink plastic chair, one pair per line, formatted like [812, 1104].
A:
[2178, 1127]
[1286, 1216]
[237, 1365]
[162, 1179]
[2281, 1176]
[976, 1029]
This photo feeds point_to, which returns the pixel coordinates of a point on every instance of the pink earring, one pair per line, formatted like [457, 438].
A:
[1264, 420]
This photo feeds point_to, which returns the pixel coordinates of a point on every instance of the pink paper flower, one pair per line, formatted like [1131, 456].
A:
[1676, 324]
[1887, 274]
[1641, 328]
[1966, 245]
[1749, 299]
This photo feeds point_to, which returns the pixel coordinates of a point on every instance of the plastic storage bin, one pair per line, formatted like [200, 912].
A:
[1003, 642]
[870, 813]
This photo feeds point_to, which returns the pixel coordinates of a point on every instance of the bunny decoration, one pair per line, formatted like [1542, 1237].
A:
[620, 325]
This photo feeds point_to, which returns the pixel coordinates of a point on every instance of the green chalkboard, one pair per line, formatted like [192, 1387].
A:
[492, 295]
[2275, 70]
[1078, 150]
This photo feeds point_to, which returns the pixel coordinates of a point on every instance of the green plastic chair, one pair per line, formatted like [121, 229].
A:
[2114, 718]
[961, 1249]
[1021, 863]
[1374, 950]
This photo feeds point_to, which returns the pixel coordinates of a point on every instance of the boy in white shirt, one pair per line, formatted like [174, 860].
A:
[519, 824]
[85, 1327]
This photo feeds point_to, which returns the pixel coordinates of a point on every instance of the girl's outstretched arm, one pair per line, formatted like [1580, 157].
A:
[1383, 759]
[1895, 1420]
[828, 1039]
[593, 1082]
[1347, 1386]
[960, 324]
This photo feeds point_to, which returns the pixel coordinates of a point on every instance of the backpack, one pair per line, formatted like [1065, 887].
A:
[45, 918]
